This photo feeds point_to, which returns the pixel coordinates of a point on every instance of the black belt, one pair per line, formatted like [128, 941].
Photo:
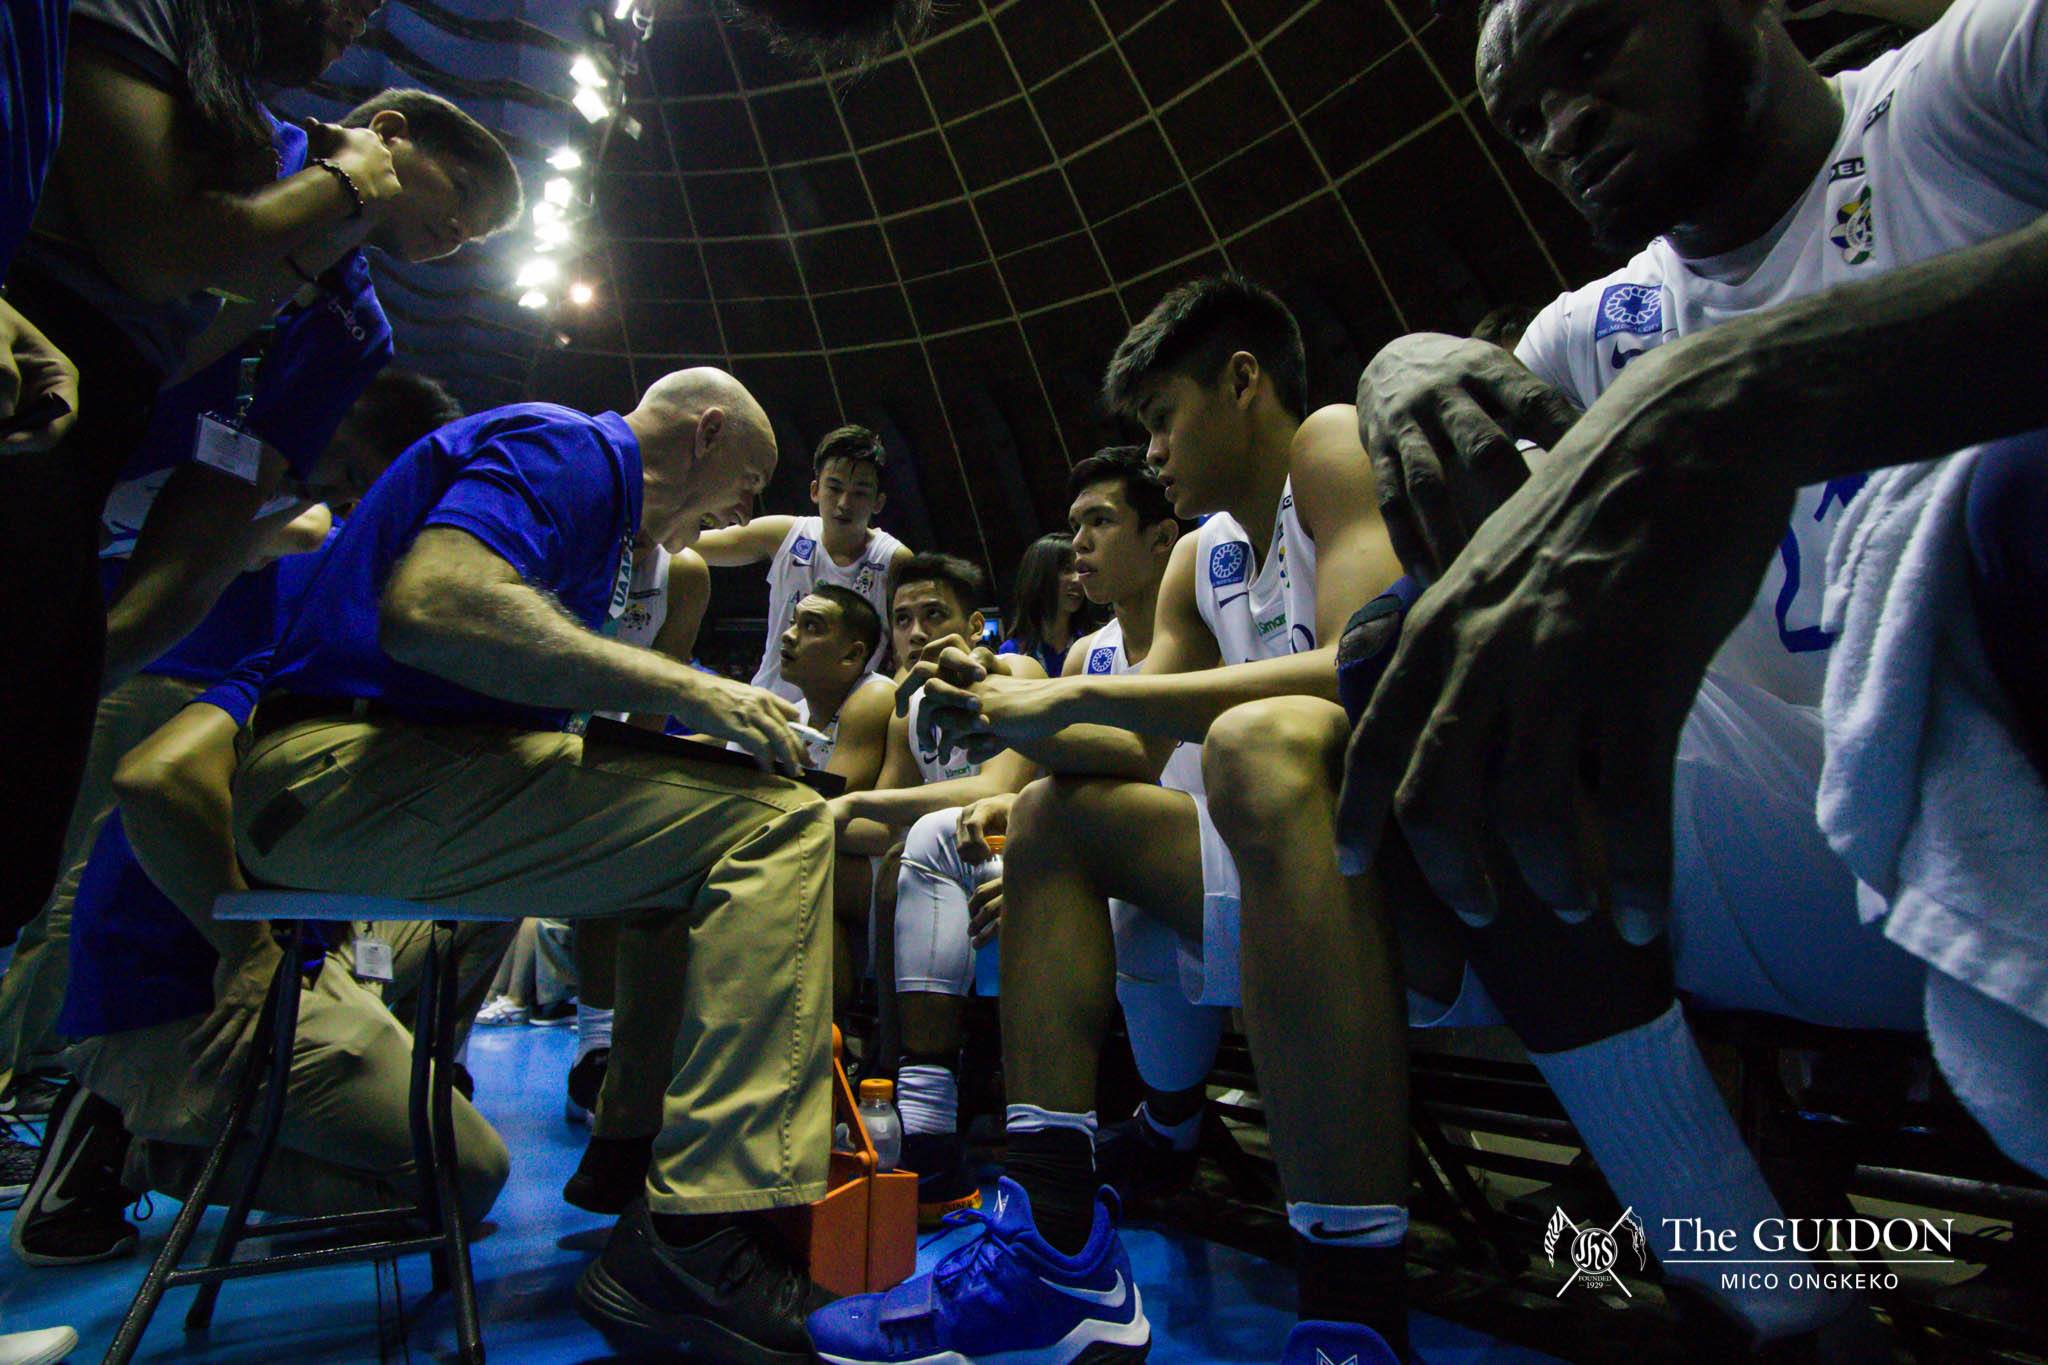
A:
[282, 710]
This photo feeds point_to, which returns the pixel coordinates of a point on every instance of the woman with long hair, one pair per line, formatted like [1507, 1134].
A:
[1048, 611]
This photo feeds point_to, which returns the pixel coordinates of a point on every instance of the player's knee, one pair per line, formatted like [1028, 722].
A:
[1043, 823]
[1264, 763]
[933, 842]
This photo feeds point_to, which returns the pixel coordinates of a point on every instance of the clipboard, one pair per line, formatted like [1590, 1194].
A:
[605, 731]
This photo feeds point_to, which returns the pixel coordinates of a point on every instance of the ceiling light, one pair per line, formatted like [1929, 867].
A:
[623, 9]
[545, 213]
[591, 105]
[581, 293]
[566, 159]
[533, 298]
[558, 190]
[538, 271]
[548, 236]
[584, 72]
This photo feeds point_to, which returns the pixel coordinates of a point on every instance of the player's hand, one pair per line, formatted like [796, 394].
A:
[990, 815]
[241, 986]
[985, 913]
[1533, 707]
[1440, 415]
[363, 154]
[756, 719]
[38, 384]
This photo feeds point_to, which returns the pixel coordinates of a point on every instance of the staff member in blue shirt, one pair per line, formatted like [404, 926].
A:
[38, 382]
[412, 743]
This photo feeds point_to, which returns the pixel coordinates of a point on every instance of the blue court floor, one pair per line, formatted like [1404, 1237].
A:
[1207, 1303]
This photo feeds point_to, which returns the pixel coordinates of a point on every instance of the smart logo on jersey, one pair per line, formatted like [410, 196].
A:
[1637, 308]
[1855, 229]
[1102, 659]
[1227, 563]
[801, 552]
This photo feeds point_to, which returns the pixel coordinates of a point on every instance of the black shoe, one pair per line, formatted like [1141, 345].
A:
[72, 1213]
[611, 1175]
[944, 1182]
[1140, 1165]
[735, 1296]
[17, 1165]
[586, 1079]
[553, 1016]
[33, 1094]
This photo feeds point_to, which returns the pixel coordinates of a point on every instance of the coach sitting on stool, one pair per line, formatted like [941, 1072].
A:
[412, 743]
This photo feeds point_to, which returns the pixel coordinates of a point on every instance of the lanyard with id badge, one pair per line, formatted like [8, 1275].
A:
[223, 441]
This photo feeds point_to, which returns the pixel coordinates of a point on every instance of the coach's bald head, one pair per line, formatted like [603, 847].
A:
[706, 452]
[838, 31]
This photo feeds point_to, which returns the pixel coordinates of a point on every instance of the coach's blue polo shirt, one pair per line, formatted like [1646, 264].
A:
[31, 109]
[553, 492]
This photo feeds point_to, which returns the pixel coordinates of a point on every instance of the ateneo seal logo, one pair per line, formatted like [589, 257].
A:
[1594, 1251]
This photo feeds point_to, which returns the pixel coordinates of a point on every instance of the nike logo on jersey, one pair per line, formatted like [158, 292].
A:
[1108, 1298]
[1325, 1358]
[1620, 358]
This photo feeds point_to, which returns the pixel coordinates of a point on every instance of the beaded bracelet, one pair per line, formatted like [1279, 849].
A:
[348, 183]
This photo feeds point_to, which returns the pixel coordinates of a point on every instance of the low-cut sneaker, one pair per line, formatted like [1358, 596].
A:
[1336, 1343]
[45, 1347]
[1004, 1295]
[18, 1158]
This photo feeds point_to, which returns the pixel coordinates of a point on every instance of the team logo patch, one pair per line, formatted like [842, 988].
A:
[801, 552]
[1102, 659]
[1227, 563]
[864, 581]
[1855, 229]
[1637, 308]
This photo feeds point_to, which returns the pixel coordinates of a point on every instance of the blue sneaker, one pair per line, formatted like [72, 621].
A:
[1005, 1294]
[1336, 1343]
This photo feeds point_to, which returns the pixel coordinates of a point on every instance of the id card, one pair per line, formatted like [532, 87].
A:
[373, 958]
[226, 447]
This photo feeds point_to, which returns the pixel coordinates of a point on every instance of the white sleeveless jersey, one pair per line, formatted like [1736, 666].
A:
[799, 566]
[936, 767]
[1943, 144]
[646, 598]
[1257, 611]
[1105, 654]
[815, 754]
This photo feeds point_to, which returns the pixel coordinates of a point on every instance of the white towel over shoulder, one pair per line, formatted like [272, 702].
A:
[1924, 792]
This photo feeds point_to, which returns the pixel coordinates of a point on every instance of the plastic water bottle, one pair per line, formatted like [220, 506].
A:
[878, 1114]
[988, 958]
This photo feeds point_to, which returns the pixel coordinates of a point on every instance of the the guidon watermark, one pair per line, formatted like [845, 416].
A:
[1777, 1253]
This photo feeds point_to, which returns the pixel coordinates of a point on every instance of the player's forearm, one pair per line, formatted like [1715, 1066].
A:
[1182, 706]
[899, 807]
[866, 838]
[178, 815]
[507, 641]
[1914, 365]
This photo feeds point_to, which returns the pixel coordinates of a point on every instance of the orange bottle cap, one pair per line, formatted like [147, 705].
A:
[878, 1088]
[995, 843]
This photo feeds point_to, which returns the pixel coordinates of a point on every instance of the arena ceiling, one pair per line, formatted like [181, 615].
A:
[947, 245]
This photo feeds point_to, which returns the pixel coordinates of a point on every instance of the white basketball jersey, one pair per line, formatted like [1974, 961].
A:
[1105, 654]
[646, 598]
[815, 754]
[1257, 611]
[1943, 145]
[936, 767]
[800, 565]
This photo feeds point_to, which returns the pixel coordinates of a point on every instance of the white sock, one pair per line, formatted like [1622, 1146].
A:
[928, 1098]
[593, 1030]
[1655, 1122]
[1349, 1225]
[462, 1053]
[1180, 1136]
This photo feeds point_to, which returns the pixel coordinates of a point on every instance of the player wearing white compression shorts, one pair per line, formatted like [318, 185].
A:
[917, 799]
[1216, 376]
[840, 546]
